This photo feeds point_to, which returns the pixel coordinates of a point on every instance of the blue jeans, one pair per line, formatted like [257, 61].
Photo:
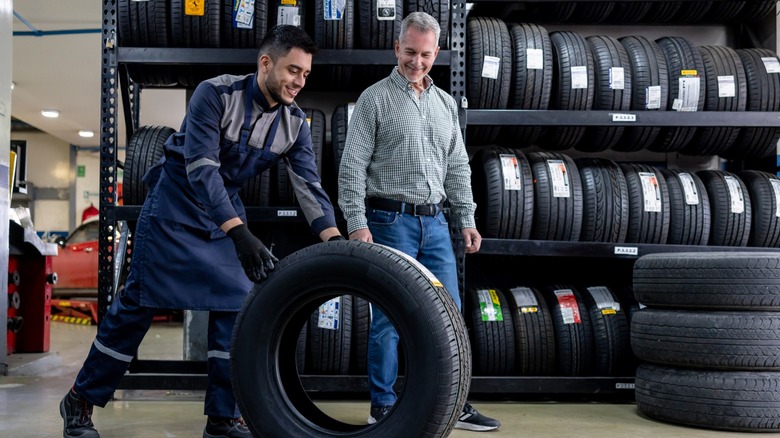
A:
[427, 239]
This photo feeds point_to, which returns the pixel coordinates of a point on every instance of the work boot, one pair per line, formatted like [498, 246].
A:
[77, 414]
[219, 427]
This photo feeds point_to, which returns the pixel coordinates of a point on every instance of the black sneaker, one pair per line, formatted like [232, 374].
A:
[470, 419]
[378, 413]
[218, 427]
[77, 414]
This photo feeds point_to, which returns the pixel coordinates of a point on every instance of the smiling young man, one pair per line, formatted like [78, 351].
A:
[404, 156]
[191, 246]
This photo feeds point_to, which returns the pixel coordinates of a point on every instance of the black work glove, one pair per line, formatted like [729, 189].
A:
[336, 237]
[254, 256]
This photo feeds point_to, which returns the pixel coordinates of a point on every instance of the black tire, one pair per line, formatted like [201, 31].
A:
[256, 191]
[570, 50]
[286, 12]
[662, 12]
[330, 344]
[709, 280]
[611, 341]
[648, 216]
[730, 208]
[729, 400]
[376, 33]
[504, 193]
[611, 93]
[650, 74]
[144, 150]
[236, 37]
[692, 12]
[763, 94]
[763, 188]
[361, 325]
[339, 122]
[195, 31]
[334, 34]
[605, 201]
[487, 37]
[492, 332]
[438, 9]
[593, 12]
[689, 208]
[755, 11]
[573, 331]
[431, 330]
[629, 12]
[729, 341]
[681, 56]
[719, 62]
[557, 197]
[534, 336]
[285, 193]
[530, 88]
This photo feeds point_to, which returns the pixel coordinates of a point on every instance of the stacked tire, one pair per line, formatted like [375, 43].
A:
[709, 339]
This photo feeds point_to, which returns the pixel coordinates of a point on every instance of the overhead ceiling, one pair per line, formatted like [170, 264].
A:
[63, 72]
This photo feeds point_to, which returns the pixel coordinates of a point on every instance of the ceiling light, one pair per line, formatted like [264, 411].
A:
[86, 134]
[13, 86]
[52, 114]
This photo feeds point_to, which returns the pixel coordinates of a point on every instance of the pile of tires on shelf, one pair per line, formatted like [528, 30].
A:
[523, 66]
[709, 339]
[236, 24]
[550, 196]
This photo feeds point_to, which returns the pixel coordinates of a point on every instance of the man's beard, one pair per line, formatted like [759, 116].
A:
[274, 90]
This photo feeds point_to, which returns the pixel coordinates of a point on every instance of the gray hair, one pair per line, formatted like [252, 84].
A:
[422, 22]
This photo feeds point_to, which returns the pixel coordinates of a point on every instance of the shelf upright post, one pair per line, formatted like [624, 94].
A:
[109, 81]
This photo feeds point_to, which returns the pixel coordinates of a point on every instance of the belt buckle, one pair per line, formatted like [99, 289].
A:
[423, 210]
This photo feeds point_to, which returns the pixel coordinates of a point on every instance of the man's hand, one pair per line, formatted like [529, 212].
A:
[472, 239]
[254, 256]
[362, 234]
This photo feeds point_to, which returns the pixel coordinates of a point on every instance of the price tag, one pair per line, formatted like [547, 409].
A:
[624, 117]
[617, 78]
[385, 10]
[772, 65]
[510, 170]
[650, 191]
[490, 66]
[690, 192]
[735, 194]
[579, 77]
[559, 178]
[726, 87]
[626, 250]
[534, 59]
[775, 183]
[653, 97]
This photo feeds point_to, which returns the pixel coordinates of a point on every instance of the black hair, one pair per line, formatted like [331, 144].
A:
[279, 40]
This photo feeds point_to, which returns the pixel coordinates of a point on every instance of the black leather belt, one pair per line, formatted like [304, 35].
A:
[402, 207]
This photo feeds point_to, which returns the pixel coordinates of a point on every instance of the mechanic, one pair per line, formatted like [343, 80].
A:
[192, 248]
[403, 158]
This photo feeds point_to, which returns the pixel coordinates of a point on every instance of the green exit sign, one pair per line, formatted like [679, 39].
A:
[80, 171]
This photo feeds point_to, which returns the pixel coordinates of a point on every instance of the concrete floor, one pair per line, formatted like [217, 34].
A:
[30, 395]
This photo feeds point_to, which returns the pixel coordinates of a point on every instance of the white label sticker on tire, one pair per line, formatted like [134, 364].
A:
[726, 86]
[510, 170]
[651, 192]
[689, 89]
[329, 314]
[570, 310]
[604, 299]
[775, 183]
[617, 78]
[490, 67]
[735, 195]
[690, 192]
[525, 297]
[579, 77]
[334, 9]
[489, 305]
[385, 10]
[772, 65]
[288, 15]
[245, 14]
[534, 59]
[559, 178]
[653, 97]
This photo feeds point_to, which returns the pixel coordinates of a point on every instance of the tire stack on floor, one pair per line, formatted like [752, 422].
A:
[709, 339]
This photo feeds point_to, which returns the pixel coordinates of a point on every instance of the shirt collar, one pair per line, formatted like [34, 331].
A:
[404, 83]
[259, 97]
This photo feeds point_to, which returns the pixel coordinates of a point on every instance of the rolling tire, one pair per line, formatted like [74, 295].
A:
[430, 326]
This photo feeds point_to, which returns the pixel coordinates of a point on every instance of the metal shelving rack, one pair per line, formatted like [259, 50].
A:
[148, 374]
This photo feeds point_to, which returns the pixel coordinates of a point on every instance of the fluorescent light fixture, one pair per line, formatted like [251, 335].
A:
[50, 113]
[86, 134]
